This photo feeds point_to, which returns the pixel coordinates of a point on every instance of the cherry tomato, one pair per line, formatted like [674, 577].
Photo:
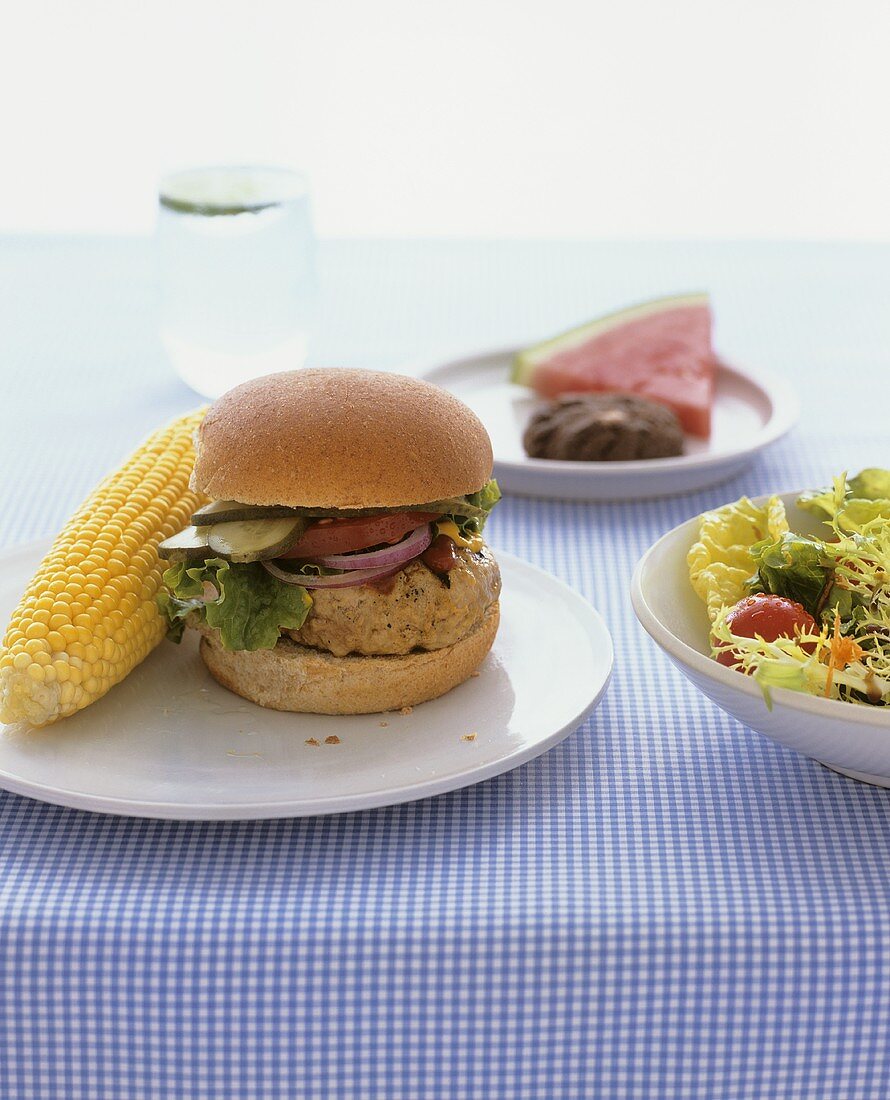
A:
[768, 617]
[340, 536]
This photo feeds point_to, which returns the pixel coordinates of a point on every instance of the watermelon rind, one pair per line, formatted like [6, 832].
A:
[526, 362]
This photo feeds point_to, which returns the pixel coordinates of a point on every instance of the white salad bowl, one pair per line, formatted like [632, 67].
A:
[851, 739]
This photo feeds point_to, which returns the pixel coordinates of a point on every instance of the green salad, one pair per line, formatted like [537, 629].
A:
[805, 611]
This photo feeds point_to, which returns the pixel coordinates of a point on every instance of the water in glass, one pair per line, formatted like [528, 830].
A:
[237, 274]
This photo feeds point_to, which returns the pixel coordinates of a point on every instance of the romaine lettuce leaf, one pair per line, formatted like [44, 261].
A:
[250, 609]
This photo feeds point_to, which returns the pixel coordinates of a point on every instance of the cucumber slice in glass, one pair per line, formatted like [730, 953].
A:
[255, 539]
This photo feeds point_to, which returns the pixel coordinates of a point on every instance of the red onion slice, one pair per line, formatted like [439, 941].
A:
[334, 580]
[412, 545]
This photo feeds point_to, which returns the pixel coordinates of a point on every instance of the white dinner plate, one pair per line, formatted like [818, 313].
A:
[850, 739]
[750, 412]
[169, 742]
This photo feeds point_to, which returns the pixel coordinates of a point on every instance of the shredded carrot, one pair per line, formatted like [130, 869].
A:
[846, 651]
[841, 652]
[831, 658]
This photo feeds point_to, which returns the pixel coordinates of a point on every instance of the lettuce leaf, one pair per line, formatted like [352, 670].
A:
[250, 609]
[857, 513]
[720, 560]
[825, 502]
[471, 512]
[850, 503]
[487, 497]
[792, 566]
[871, 484]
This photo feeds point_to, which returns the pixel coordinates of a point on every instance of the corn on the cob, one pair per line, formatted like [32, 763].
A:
[89, 615]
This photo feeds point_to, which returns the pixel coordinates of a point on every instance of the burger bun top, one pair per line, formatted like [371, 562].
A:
[340, 439]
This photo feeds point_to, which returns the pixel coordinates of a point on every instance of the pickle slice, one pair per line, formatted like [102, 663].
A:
[255, 539]
[188, 545]
[230, 511]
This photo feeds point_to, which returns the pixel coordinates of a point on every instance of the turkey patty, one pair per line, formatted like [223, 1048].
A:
[420, 610]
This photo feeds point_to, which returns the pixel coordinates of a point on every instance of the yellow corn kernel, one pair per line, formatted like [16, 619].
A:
[89, 615]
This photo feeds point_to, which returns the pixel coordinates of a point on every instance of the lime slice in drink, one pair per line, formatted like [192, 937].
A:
[233, 190]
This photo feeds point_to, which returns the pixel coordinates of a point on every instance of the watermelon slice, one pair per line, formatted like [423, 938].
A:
[660, 350]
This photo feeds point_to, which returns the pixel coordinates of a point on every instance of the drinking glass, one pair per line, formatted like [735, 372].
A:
[237, 273]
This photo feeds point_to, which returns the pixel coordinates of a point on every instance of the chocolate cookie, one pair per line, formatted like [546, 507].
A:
[603, 427]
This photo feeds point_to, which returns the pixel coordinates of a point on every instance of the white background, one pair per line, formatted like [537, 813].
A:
[491, 118]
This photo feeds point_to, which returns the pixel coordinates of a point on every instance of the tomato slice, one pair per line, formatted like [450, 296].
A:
[770, 617]
[340, 536]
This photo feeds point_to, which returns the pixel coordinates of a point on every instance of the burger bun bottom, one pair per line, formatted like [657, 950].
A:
[294, 677]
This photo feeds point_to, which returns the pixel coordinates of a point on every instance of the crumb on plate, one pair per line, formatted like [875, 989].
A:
[332, 740]
[312, 741]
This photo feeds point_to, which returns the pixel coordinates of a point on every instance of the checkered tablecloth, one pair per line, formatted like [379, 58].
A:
[666, 905]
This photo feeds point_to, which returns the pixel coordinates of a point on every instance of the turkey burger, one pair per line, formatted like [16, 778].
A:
[339, 567]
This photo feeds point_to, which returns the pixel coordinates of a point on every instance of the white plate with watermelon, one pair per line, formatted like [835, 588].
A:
[661, 350]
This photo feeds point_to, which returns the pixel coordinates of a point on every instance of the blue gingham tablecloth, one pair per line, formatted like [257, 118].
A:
[664, 905]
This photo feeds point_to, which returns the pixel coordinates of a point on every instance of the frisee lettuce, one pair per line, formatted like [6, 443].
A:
[850, 503]
[799, 664]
